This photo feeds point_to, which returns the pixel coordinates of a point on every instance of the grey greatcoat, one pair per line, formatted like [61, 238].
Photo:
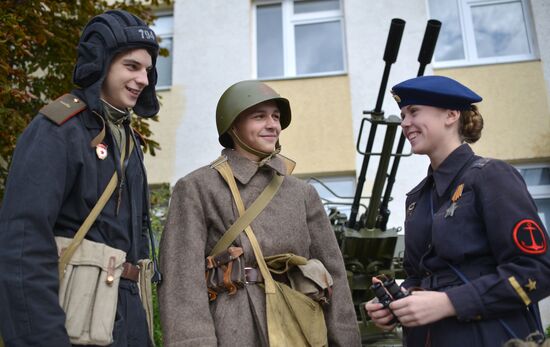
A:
[201, 210]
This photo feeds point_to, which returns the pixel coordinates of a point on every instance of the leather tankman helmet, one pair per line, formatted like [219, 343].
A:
[106, 35]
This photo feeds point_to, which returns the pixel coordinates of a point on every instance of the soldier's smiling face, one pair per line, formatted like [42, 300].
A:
[258, 127]
[126, 78]
[429, 129]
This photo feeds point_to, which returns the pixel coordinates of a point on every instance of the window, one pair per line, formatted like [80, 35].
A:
[537, 178]
[482, 32]
[299, 38]
[335, 191]
[163, 27]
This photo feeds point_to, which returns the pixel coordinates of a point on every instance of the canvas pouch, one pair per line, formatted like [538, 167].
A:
[88, 292]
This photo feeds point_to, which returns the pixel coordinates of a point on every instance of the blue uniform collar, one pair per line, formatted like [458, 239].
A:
[449, 169]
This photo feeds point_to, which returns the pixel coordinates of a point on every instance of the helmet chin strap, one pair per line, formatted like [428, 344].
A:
[265, 156]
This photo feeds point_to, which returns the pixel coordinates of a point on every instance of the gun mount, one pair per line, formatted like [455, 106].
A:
[367, 245]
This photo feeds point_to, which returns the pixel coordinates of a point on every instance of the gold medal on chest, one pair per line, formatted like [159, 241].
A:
[456, 195]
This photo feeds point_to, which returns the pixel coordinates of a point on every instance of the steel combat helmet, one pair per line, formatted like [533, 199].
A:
[241, 96]
[106, 35]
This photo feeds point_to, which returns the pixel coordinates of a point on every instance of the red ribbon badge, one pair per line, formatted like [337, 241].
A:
[529, 237]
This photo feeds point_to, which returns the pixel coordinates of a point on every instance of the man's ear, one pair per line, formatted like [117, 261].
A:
[452, 117]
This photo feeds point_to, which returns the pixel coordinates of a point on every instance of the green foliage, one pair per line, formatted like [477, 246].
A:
[160, 195]
[157, 332]
[37, 55]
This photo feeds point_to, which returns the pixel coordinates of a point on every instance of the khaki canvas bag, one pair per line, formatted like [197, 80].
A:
[88, 291]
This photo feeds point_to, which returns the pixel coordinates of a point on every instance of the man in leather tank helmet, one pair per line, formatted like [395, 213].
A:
[62, 164]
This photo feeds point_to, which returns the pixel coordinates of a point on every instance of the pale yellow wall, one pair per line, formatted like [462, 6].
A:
[514, 107]
[320, 137]
[162, 165]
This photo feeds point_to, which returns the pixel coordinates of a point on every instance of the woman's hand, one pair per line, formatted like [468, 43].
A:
[422, 307]
[380, 316]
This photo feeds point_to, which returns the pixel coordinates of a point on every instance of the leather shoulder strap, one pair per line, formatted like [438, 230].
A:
[63, 108]
[81, 233]
[246, 217]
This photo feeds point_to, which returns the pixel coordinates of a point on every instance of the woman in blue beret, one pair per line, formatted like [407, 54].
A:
[476, 251]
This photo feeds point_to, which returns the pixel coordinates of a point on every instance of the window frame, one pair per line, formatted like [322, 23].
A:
[537, 191]
[343, 185]
[469, 40]
[290, 21]
[168, 34]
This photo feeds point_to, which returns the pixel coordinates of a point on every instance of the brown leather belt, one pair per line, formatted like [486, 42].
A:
[130, 272]
[253, 275]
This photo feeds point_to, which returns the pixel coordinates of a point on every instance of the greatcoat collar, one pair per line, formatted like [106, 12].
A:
[244, 169]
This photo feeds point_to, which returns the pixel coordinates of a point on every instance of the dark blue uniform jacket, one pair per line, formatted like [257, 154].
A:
[494, 237]
[55, 180]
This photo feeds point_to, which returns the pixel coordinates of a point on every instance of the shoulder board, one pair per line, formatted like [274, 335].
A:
[481, 162]
[63, 108]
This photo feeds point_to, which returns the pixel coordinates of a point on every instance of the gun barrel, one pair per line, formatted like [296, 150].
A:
[374, 202]
[390, 55]
[424, 58]
[428, 44]
[394, 40]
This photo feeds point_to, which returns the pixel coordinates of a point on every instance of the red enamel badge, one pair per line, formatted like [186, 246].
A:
[101, 151]
[529, 237]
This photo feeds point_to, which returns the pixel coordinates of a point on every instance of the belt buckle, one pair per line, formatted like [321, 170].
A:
[247, 269]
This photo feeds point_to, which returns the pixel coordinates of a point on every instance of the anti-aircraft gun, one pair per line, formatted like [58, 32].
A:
[367, 245]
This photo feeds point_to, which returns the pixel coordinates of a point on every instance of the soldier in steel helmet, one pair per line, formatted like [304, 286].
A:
[250, 117]
[62, 164]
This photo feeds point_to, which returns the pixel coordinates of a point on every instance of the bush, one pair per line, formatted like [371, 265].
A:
[37, 57]
[160, 195]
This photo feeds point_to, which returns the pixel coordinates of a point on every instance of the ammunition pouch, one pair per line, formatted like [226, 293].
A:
[225, 272]
[88, 291]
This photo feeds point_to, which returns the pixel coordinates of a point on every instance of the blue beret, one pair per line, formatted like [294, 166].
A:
[437, 91]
